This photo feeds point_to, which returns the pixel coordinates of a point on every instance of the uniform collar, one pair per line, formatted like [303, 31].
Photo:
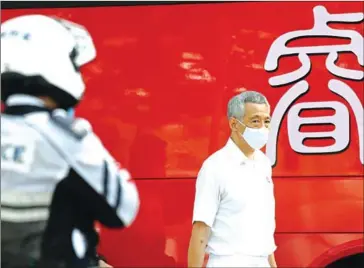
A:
[24, 100]
[235, 153]
[19, 104]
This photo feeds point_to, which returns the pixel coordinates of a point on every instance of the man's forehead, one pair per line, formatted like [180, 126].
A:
[256, 108]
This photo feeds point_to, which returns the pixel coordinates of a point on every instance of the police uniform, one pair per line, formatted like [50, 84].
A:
[56, 181]
[57, 178]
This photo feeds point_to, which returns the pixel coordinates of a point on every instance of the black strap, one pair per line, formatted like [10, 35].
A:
[101, 258]
[24, 109]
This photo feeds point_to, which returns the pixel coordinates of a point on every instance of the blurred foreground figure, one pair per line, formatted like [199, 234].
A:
[57, 179]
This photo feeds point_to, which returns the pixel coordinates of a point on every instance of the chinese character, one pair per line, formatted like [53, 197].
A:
[340, 119]
[320, 29]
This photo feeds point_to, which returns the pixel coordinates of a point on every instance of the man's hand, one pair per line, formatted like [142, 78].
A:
[103, 264]
[272, 261]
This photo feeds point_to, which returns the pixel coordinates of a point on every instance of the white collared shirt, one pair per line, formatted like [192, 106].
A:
[235, 197]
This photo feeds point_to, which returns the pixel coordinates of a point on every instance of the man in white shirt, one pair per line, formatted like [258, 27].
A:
[234, 210]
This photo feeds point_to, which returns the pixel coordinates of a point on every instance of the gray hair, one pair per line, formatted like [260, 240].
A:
[236, 105]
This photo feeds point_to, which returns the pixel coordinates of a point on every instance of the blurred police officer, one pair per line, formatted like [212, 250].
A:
[57, 178]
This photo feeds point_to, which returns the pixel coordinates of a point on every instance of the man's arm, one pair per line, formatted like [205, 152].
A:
[271, 257]
[95, 178]
[204, 212]
[198, 242]
[115, 198]
[272, 260]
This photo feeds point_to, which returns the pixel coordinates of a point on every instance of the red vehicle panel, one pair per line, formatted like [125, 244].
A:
[157, 96]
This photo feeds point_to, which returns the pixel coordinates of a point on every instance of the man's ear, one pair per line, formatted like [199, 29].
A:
[232, 124]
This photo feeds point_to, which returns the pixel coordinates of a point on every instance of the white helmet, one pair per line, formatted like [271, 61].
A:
[45, 54]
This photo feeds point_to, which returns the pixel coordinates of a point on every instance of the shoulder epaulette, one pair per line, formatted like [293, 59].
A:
[68, 124]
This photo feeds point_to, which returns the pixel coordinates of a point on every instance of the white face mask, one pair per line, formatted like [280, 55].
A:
[255, 137]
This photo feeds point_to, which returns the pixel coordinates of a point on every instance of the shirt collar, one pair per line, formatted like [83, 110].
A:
[235, 153]
[21, 100]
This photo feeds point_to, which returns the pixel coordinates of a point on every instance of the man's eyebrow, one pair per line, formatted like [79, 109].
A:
[258, 116]
[254, 116]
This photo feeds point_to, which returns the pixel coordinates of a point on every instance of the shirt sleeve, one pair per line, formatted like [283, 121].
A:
[207, 196]
[116, 193]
